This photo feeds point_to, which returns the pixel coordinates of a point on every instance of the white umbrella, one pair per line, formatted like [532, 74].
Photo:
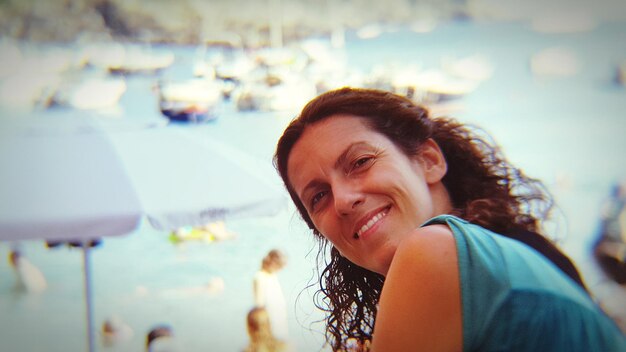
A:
[82, 179]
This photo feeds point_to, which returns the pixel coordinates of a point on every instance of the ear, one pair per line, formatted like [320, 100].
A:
[432, 161]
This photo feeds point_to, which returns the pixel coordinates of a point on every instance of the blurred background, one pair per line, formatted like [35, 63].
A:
[545, 78]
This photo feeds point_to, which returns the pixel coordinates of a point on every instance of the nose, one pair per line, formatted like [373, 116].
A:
[347, 198]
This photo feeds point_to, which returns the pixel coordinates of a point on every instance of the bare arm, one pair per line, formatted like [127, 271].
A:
[259, 297]
[420, 305]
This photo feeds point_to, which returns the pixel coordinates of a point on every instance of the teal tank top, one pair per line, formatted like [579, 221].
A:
[515, 299]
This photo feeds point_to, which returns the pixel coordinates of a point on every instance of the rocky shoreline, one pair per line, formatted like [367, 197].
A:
[192, 22]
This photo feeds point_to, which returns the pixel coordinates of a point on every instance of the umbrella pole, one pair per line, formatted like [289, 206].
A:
[88, 303]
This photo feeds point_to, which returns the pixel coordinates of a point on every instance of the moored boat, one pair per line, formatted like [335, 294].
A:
[194, 100]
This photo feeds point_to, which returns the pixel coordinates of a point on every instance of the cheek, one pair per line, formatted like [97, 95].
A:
[413, 204]
[332, 231]
[328, 228]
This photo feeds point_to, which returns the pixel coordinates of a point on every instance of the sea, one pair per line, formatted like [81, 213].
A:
[567, 130]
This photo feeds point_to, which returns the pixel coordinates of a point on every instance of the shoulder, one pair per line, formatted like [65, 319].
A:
[421, 301]
[260, 276]
[433, 244]
[428, 255]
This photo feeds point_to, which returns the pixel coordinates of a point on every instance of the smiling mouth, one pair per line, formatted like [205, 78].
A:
[375, 219]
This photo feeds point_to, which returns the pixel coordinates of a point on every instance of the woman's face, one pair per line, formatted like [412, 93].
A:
[361, 191]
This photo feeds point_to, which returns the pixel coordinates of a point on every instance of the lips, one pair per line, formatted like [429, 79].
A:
[370, 220]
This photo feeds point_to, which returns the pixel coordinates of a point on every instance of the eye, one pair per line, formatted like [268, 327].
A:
[362, 161]
[317, 197]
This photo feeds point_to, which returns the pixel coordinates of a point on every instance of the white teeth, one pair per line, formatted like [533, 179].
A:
[371, 223]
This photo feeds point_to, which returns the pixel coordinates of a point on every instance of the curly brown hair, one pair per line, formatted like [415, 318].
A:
[484, 187]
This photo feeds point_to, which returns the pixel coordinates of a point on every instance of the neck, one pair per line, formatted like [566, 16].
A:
[442, 203]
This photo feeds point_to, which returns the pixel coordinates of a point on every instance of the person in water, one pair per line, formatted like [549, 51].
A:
[431, 237]
[29, 278]
[610, 246]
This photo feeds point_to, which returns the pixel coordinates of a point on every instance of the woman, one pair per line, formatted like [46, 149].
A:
[268, 292]
[429, 232]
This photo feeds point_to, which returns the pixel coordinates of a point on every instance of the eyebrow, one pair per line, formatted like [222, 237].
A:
[343, 157]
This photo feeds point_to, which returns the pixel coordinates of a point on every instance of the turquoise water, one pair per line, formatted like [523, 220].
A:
[568, 131]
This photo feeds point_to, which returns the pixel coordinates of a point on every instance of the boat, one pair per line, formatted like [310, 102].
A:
[27, 91]
[194, 100]
[142, 62]
[562, 22]
[475, 67]
[126, 59]
[555, 61]
[93, 92]
[432, 86]
[275, 91]
[30, 74]
[370, 31]
[179, 112]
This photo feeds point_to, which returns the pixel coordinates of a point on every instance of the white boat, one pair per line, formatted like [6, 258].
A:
[126, 59]
[193, 100]
[563, 22]
[555, 61]
[436, 86]
[370, 31]
[284, 92]
[31, 73]
[475, 67]
[82, 91]
[418, 84]
[425, 25]
[96, 93]
[235, 68]
[27, 90]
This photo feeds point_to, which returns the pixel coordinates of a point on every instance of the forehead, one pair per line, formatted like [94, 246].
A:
[328, 129]
[334, 132]
[322, 142]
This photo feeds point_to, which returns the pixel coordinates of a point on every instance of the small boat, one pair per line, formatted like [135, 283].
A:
[27, 91]
[476, 67]
[278, 91]
[182, 112]
[555, 62]
[563, 22]
[30, 74]
[90, 93]
[194, 100]
[139, 61]
[126, 59]
[424, 25]
[370, 31]
[433, 86]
